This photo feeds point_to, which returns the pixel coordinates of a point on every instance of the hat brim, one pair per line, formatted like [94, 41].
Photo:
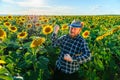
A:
[75, 26]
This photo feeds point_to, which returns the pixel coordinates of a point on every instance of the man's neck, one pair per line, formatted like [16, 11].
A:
[73, 36]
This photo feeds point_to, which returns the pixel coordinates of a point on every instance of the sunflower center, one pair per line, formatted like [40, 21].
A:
[65, 26]
[86, 33]
[21, 23]
[1, 33]
[29, 25]
[7, 24]
[45, 20]
[23, 19]
[115, 30]
[38, 42]
[9, 16]
[22, 34]
[47, 30]
[37, 24]
[13, 28]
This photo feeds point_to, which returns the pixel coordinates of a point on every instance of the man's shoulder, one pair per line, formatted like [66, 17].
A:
[64, 36]
[81, 38]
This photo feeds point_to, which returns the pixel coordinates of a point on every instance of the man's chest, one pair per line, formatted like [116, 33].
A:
[70, 46]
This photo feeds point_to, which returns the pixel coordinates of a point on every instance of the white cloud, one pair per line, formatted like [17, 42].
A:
[55, 10]
[32, 3]
[38, 7]
[48, 11]
[8, 1]
[96, 8]
[27, 3]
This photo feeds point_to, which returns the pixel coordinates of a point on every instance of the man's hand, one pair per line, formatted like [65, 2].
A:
[68, 58]
[56, 29]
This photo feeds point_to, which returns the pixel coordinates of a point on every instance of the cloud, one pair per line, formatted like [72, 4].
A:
[96, 8]
[37, 7]
[51, 10]
[48, 11]
[28, 3]
[8, 1]
[32, 3]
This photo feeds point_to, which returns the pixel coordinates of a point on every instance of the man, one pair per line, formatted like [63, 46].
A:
[74, 51]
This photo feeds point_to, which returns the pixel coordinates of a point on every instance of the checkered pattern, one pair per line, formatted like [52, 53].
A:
[76, 47]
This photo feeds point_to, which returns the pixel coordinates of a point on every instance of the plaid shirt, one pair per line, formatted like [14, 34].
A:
[76, 47]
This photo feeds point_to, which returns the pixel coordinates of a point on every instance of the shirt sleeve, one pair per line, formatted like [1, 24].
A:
[56, 41]
[85, 56]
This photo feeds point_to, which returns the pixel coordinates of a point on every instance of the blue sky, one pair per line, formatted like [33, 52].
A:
[60, 7]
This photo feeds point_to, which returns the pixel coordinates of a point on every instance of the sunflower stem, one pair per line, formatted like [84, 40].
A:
[34, 61]
[46, 36]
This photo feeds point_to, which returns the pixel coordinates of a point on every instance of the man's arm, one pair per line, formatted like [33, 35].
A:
[56, 41]
[85, 56]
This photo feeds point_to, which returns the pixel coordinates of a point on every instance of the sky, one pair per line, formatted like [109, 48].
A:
[59, 7]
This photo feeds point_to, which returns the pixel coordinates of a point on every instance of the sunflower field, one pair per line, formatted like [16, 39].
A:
[26, 52]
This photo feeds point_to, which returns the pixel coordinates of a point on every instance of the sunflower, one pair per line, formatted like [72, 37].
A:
[10, 17]
[64, 27]
[29, 17]
[106, 34]
[99, 38]
[1, 20]
[7, 24]
[21, 23]
[12, 29]
[47, 29]
[22, 35]
[2, 34]
[118, 27]
[5, 18]
[36, 42]
[2, 62]
[29, 25]
[45, 20]
[86, 34]
[23, 19]
[37, 24]
[114, 30]
[40, 18]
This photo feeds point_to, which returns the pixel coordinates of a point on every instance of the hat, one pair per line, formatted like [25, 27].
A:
[76, 24]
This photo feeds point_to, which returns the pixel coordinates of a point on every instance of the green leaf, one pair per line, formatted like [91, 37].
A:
[42, 62]
[98, 64]
[4, 74]
[27, 44]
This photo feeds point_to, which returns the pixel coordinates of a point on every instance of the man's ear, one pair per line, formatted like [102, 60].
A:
[80, 29]
[82, 23]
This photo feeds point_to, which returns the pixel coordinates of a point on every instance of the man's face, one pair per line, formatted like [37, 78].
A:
[74, 31]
